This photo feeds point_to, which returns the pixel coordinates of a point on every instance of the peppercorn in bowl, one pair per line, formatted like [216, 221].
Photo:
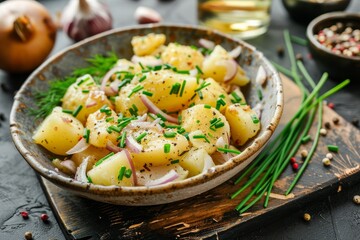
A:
[334, 42]
[147, 115]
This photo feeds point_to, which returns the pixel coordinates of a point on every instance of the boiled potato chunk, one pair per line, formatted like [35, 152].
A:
[210, 94]
[145, 45]
[92, 153]
[153, 148]
[216, 66]
[107, 172]
[59, 132]
[98, 126]
[86, 93]
[199, 117]
[243, 121]
[193, 161]
[123, 103]
[145, 176]
[182, 57]
[160, 83]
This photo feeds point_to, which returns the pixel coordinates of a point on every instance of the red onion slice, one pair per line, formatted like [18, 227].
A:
[155, 110]
[107, 77]
[69, 165]
[80, 174]
[261, 76]
[147, 61]
[231, 70]
[79, 147]
[206, 43]
[208, 163]
[90, 104]
[112, 147]
[258, 109]
[235, 52]
[132, 144]
[132, 166]
[169, 177]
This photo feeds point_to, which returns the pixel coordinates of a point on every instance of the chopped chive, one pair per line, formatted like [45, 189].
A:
[175, 88]
[85, 91]
[135, 90]
[255, 119]
[260, 95]
[200, 95]
[142, 78]
[167, 147]
[173, 126]
[83, 80]
[201, 136]
[161, 117]
[197, 79]
[182, 88]
[228, 150]
[220, 102]
[219, 125]
[213, 120]
[86, 134]
[181, 130]
[121, 173]
[182, 71]
[222, 96]
[77, 110]
[306, 139]
[333, 148]
[202, 86]
[104, 158]
[109, 119]
[199, 69]
[298, 40]
[67, 111]
[175, 161]
[89, 179]
[128, 173]
[113, 128]
[122, 140]
[179, 119]
[147, 93]
[191, 104]
[167, 66]
[141, 136]
[157, 68]
[123, 83]
[236, 97]
[169, 134]
[207, 106]
[142, 66]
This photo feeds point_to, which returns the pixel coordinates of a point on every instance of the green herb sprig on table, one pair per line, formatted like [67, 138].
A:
[269, 165]
[47, 100]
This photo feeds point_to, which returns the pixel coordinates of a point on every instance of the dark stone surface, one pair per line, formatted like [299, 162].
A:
[333, 217]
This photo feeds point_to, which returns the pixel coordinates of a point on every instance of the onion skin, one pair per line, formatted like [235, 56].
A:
[21, 55]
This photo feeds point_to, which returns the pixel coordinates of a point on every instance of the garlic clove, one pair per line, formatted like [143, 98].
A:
[145, 15]
[85, 18]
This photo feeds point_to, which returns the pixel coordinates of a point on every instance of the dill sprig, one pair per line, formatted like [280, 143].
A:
[45, 101]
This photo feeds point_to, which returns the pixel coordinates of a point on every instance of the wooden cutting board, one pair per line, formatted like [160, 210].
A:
[212, 214]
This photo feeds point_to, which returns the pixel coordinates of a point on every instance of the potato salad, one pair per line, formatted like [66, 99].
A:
[169, 113]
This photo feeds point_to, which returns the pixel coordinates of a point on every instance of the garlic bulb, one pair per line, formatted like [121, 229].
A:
[84, 18]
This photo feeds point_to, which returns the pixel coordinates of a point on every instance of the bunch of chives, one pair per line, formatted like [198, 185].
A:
[269, 165]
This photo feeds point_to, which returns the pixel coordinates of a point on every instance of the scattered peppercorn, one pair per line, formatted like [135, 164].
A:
[327, 125]
[295, 166]
[336, 120]
[326, 162]
[307, 217]
[280, 51]
[331, 105]
[44, 217]
[304, 153]
[329, 156]
[323, 132]
[292, 160]
[299, 57]
[28, 235]
[356, 199]
[355, 122]
[24, 214]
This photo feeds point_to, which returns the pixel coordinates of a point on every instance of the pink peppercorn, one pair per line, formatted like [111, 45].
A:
[295, 166]
[331, 105]
[44, 217]
[24, 214]
[293, 160]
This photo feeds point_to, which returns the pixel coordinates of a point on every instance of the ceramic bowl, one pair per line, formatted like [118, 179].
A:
[306, 10]
[338, 66]
[23, 125]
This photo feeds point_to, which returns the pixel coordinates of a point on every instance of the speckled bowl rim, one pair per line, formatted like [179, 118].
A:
[325, 17]
[218, 170]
